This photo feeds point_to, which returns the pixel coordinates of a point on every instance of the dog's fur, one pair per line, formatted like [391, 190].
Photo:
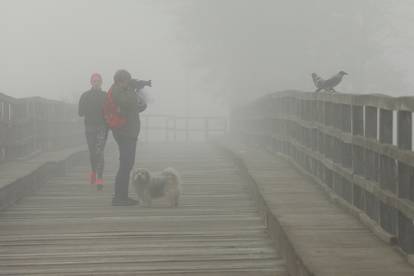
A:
[148, 185]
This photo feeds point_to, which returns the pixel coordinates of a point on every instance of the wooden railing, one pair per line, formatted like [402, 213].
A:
[180, 128]
[32, 125]
[357, 147]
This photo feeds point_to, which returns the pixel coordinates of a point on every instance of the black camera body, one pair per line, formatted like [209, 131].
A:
[137, 85]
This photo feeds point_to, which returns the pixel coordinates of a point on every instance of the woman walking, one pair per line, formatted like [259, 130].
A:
[91, 106]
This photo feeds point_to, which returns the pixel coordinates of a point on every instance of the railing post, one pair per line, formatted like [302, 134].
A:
[386, 127]
[404, 129]
[405, 181]
[357, 120]
[371, 122]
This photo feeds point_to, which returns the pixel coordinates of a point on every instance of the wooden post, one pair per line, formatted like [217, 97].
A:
[357, 120]
[406, 233]
[405, 181]
[347, 120]
[404, 129]
[385, 124]
[371, 122]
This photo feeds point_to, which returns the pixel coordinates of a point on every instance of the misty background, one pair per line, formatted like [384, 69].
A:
[205, 55]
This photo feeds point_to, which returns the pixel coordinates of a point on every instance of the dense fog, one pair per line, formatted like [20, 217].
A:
[205, 55]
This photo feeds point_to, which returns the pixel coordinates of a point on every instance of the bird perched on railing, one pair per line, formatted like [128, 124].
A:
[329, 84]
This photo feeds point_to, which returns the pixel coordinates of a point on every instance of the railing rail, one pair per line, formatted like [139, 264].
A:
[181, 128]
[32, 125]
[356, 146]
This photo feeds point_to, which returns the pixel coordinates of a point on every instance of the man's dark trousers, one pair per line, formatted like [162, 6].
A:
[127, 147]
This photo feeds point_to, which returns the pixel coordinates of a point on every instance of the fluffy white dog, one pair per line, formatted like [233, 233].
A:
[148, 185]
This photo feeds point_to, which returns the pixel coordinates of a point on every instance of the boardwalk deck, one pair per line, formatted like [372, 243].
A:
[315, 235]
[67, 228]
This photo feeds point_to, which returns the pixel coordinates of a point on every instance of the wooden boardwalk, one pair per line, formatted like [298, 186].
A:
[67, 228]
[315, 236]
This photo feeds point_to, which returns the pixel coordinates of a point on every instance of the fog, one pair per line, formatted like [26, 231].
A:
[275, 45]
[292, 166]
[205, 55]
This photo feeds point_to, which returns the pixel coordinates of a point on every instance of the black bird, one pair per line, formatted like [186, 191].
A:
[329, 84]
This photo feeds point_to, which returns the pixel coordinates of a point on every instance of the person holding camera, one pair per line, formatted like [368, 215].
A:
[125, 129]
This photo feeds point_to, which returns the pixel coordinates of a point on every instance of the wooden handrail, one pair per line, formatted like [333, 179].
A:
[170, 126]
[35, 124]
[359, 147]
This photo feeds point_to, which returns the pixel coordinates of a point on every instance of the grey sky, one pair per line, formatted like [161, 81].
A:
[50, 47]
[204, 47]
[255, 47]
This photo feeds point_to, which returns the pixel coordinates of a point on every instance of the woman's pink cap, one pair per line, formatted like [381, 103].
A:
[95, 77]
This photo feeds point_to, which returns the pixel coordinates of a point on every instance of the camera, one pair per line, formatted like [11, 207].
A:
[137, 84]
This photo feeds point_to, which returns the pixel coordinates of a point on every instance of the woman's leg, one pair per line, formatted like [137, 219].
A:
[91, 141]
[101, 137]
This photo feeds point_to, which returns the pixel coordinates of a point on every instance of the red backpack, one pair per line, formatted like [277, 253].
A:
[111, 112]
